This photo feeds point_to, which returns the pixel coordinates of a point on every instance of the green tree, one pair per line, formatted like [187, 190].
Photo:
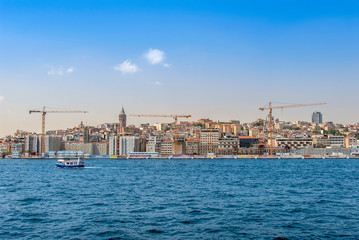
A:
[334, 132]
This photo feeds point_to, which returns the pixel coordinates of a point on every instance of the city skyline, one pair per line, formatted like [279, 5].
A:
[221, 61]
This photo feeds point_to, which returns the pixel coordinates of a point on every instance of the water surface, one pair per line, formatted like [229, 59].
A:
[180, 199]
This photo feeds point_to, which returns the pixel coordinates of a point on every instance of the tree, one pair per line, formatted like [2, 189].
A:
[334, 132]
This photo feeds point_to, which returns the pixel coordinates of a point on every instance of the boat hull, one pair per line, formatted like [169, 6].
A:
[69, 166]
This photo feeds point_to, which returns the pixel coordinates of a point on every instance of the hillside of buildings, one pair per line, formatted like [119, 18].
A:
[200, 137]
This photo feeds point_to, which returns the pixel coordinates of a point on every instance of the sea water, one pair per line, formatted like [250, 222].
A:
[180, 199]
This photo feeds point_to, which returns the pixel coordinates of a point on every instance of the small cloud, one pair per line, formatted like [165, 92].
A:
[70, 70]
[167, 65]
[158, 83]
[154, 56]
[2, 98]
[126, 67]
[58, 71]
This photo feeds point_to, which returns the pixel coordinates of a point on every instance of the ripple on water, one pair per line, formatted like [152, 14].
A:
[157, 231]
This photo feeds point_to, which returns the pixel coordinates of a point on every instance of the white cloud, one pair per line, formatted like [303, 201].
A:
[2, 98]
[167, 65]
[55, 71]
[158, 83]
[154, 56]
[126, 67]
[58, 71]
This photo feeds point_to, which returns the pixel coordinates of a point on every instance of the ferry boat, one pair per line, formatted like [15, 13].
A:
[68, 163]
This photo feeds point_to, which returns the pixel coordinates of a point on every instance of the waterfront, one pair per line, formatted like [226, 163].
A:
[180, 199]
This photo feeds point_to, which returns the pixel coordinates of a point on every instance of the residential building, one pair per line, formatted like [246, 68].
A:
[336, 141]
[166, 148]
[350, 141]
[17, 147]
[209, 140]
[192, 146]
[321, 141]
[154, 144]
[32, 144]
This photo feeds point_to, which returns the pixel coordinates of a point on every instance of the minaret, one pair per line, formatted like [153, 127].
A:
[122, 121]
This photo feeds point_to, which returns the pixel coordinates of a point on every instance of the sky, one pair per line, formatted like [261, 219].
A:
[212, 59]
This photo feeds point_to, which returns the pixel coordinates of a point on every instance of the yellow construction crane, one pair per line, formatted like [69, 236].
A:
[270, 108]
[44, 112]
[175, 117]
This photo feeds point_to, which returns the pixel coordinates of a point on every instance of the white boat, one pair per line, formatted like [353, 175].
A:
[68, 163]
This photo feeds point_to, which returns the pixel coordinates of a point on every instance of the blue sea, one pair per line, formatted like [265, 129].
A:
[180, 199]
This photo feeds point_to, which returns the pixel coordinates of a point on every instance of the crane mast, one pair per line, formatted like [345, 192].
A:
[175, 117]
[270, 108]
[44, 112]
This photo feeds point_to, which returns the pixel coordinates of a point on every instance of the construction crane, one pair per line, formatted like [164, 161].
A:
[175, 117]
[270, 108]
[44, 112]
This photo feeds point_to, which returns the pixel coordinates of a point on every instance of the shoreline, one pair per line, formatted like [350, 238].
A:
[192, 158]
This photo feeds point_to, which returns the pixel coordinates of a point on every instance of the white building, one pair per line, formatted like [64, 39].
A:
[153, 144]
[113, 145]
[129, 144]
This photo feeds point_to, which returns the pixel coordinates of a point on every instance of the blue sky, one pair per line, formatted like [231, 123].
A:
[216, 59]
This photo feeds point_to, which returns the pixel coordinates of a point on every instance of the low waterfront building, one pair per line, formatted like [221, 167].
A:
[32, 144]
[293, 143]
[113, 148]
[52, 143]
[4, 147]
[97, 148]
[320, 141]
[17, 148]
[166, 148]
[154, 144]
[247, 141]
[129, 144]
[228, 146]
[336, 141]
[350, 142]
[192, 146]
[209, 140]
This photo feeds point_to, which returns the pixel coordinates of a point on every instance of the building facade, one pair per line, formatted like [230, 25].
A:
[129, 144]
[317, 117]
[209, 140]
[293, 143]
[192, 146]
